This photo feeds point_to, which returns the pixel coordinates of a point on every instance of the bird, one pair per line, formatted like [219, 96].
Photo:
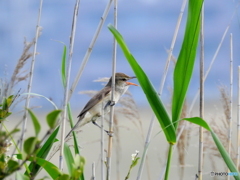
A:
[93, 109]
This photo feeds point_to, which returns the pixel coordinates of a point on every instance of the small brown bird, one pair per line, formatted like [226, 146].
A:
[93, 109]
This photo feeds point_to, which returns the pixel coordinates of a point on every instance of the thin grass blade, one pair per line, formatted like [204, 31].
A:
[63, 71]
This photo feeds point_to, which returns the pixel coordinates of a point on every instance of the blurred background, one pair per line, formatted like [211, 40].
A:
[146, 25]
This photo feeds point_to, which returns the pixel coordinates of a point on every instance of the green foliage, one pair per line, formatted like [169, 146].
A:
[64, 60]
[30, 145]
[76, 149]
[7, 166]
[186, 59]
[50, 168]
[147, 87]
[221, 149]
[135, 159]
[52, 118]
[199, 121]
[21, 176]
[225, 156]
[43, 152]
[182, 76]
[4, 111]
[35, 121]
[75, 164]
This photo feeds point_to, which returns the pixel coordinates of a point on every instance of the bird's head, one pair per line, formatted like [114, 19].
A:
[121, 79]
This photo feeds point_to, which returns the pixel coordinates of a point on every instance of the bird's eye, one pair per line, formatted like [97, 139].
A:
[124, 79]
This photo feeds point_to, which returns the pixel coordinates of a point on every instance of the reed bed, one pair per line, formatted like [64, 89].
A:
[174, 125]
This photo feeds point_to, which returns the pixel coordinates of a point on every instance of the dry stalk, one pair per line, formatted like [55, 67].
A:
[114, 61]
[238, 122]
[38, 30]
[19, 75]
[89, 50]
[66, 90]
[201, 98]
[230, 99]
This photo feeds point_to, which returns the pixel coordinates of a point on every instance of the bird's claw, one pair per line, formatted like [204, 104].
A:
[109, 133]
[112, 103]
[109, 103]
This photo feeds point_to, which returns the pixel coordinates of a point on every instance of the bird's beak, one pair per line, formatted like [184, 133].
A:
[132, 77]
[129, 83]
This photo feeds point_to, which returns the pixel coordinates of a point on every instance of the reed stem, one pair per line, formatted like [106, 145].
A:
[29, 87]
[201, 98]
[66, 89]
[111, 125]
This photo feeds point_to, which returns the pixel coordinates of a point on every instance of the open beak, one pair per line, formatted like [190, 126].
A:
[129, 83]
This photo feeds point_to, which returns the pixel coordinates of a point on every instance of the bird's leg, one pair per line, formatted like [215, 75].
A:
[109, 103]
[96, 124]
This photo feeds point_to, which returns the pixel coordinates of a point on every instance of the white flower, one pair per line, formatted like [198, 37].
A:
[135, 155]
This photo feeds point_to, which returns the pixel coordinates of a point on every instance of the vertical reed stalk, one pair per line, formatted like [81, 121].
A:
[89, 50]
[230, 99]
[102, 144]
[114, 59]
[201, 100]
[238, 122]
[147, 141]
[24, 124]
[66, 90]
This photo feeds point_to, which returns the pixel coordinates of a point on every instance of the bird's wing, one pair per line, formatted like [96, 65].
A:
[97, 98]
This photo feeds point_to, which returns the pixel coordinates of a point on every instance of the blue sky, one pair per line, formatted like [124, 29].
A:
[147, 27]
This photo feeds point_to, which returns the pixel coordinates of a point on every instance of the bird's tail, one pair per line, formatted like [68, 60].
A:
[77, 125]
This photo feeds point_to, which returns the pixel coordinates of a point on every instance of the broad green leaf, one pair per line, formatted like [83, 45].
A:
[52, 118]
[185, 63]
[151, 94]
[35, 121]
[43, 152]
[21, 176]
[64, 59]
[221, 149]
[29, 145]
[50, 168]
[225, 156]
[199, 121]
[68, 158]
[12, 165]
